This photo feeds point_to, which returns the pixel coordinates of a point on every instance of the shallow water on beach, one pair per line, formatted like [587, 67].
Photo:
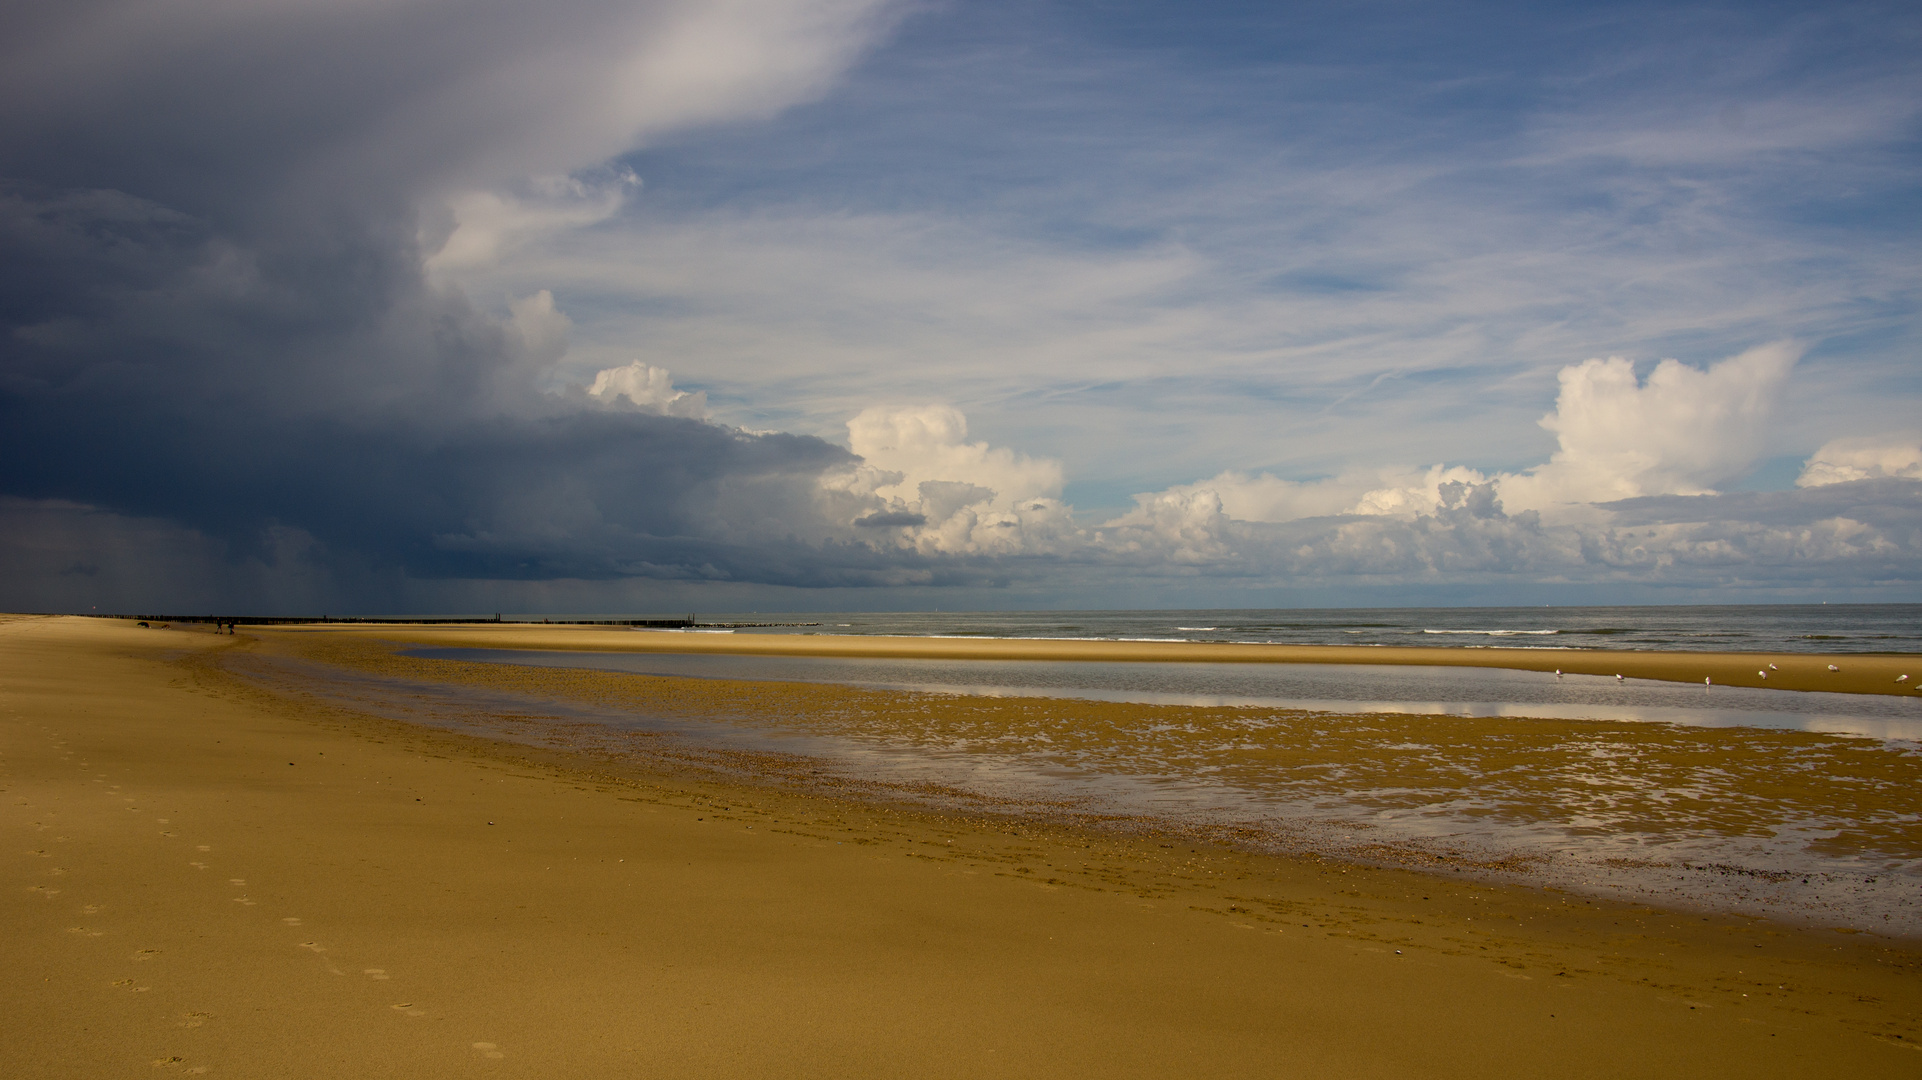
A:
[1335, 688]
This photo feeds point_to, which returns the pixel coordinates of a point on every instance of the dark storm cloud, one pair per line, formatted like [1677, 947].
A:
[163, 373]
[213, 310]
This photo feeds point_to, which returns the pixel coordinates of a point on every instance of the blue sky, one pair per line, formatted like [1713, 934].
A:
[1165, 301]
[1319, 240]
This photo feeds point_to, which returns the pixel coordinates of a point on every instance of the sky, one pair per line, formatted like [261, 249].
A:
[461, 306]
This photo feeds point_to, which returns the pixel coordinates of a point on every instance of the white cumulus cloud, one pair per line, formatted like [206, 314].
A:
[649, 389]
[1411, 492]
[1261, 496]
[1683, 431]
[1868, 458]
[925, 483]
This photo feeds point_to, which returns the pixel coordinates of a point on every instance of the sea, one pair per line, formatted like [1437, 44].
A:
[1825, 628]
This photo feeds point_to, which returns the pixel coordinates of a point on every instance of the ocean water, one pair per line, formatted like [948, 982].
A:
[1823, 628]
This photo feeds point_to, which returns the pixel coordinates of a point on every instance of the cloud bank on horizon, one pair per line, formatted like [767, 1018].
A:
[798, 303]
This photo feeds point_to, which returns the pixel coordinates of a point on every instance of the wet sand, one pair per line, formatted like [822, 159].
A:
[1816, 828]
[209, 875]
[1858, 674]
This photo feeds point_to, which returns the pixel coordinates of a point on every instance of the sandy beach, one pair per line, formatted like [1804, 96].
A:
[211, 874]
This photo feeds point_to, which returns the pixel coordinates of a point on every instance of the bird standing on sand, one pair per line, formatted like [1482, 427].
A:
[1832, 667]
[1618, 678]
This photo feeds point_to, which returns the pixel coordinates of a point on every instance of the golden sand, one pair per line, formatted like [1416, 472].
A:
[209, 876]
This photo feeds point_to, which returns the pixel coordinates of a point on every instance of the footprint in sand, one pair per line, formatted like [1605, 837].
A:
[489, 1050]
[91, 909]
[320, 952]
[146, 954]
[409, 1008]
[291, 921]
[376, 973]
[203, 847]
[195, 1019]
[83, 931]
[198, 865]
[236, 881]
[243, 900]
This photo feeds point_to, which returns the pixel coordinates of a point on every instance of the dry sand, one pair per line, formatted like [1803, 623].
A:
[204, 875]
